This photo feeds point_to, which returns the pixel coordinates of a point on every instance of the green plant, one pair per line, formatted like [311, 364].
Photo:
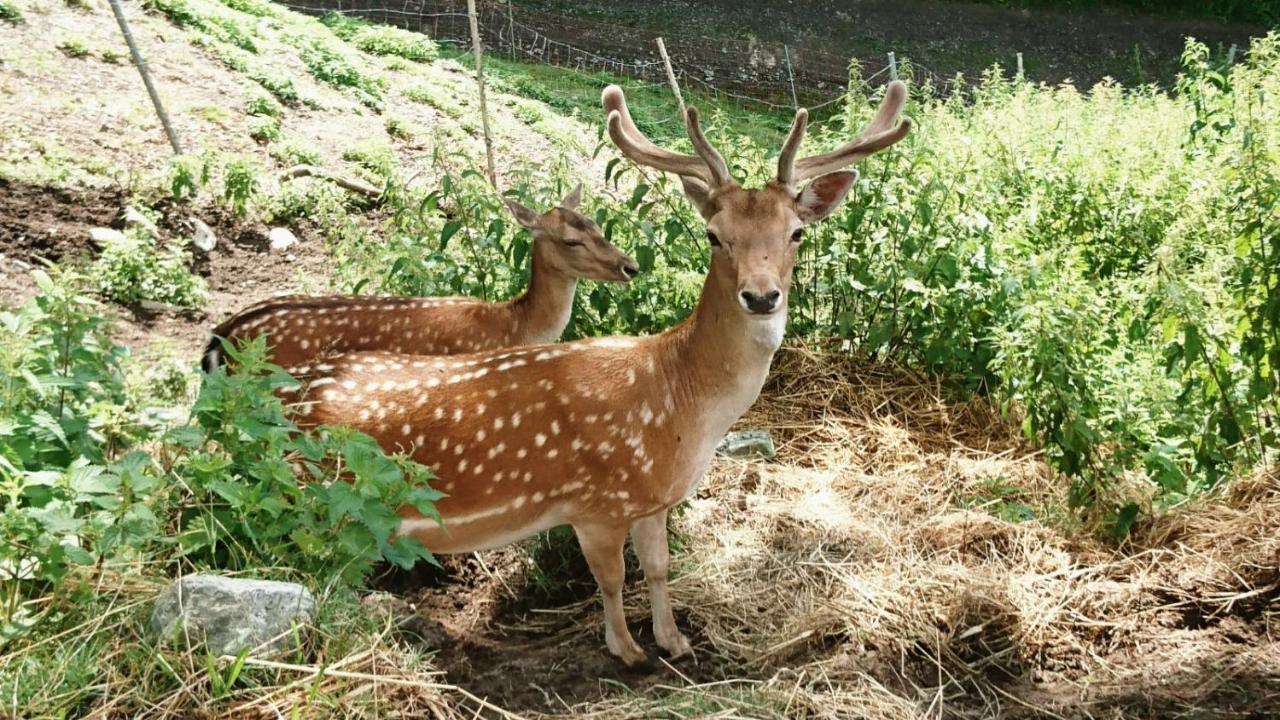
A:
[264, 106]
[186, 175]
[249, 508]
[223, 29]
[74, 47]
[329, 64]
[381, 39]
[295, 154]
[240, 184]
[134, 270]
[10, 13]
[264, 129]
[63, 482]
[397, 127]
[112, 56]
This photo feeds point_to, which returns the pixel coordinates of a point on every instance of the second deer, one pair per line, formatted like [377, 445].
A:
[606, 435]
[567, 246]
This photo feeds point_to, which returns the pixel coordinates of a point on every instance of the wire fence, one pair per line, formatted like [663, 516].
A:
[748, 71]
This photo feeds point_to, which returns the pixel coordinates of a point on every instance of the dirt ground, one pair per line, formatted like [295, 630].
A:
[50, 224]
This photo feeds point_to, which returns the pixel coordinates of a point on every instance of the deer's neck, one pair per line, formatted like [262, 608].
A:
[542, 312]
[718, 359]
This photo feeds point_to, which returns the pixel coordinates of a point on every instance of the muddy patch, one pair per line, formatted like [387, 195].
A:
[532, 640]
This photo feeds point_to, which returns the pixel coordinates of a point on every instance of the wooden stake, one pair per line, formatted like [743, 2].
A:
[1020, 73]
[671, 76]
[791, 76]
[893, 66]
[141, 64]
[484, 106]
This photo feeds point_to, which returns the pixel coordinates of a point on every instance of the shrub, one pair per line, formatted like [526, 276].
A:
[397, 127]
[381, 39]
[186, 175]
[295, 154]
[248, 508]
[74, 47]
[66, 419]
[133, 270]
[263, 106]
[240, 184]
[330, 65]
[264, 129]
[10, 13]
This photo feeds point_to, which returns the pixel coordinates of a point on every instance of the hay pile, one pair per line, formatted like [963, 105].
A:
[869, 572]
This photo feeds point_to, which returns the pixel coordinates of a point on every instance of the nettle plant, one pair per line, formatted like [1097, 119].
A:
[261, 492]
[84, 481]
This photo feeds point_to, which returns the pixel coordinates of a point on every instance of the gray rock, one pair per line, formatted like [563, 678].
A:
[281, 239]
[232, 614]
[747, 443]
[203, 238]
[104, 236]
[134, 218]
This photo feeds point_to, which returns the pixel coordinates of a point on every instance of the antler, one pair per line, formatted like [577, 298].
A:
[708, 165]
[883, 131]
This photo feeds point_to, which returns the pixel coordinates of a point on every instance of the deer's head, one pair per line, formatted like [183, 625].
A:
[572, 244]
[755, 233]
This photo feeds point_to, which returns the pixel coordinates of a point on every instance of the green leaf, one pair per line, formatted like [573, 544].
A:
[450, 229]
[343, 501]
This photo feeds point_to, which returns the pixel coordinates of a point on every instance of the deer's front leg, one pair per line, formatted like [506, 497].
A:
[602, 546]
[650, 537]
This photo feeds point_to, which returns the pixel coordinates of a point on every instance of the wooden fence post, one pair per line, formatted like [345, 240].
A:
[141, 64]
[484, 107]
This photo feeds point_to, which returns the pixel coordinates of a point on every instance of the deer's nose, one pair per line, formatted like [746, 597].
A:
[760, 303]
[630, 269]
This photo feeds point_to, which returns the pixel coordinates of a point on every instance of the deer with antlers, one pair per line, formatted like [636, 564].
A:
[567, 246]
[607, 434]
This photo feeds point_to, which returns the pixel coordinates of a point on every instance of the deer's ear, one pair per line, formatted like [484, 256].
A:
[524, 215]
[820, 197]
[573, 199]
[699, 194]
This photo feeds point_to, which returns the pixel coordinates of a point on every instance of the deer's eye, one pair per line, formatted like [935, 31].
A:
[711, 238]
[573, 243]
[797, 236]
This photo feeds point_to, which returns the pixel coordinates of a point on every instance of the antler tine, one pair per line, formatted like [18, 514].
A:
[715, 161]
[787, 159]
[632, 143]
[884, 130]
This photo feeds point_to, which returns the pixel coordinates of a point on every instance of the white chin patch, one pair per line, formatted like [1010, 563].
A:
[768, 330]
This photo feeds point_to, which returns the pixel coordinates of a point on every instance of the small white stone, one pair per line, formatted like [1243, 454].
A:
[281, 239]
[203, 237]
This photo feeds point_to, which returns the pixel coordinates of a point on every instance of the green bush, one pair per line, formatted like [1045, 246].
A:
[66, 421]
[1102, 264]
[83, 481]
[264, 129]
[330, 65]
[291, 153]
[185, 176]
[134, 270]
[74, 47]
[10, 13]
[264, 106]
[240, 183]
[248, 507]
[381, 39]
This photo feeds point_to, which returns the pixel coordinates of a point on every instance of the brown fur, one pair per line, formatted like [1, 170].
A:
[566, 247]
